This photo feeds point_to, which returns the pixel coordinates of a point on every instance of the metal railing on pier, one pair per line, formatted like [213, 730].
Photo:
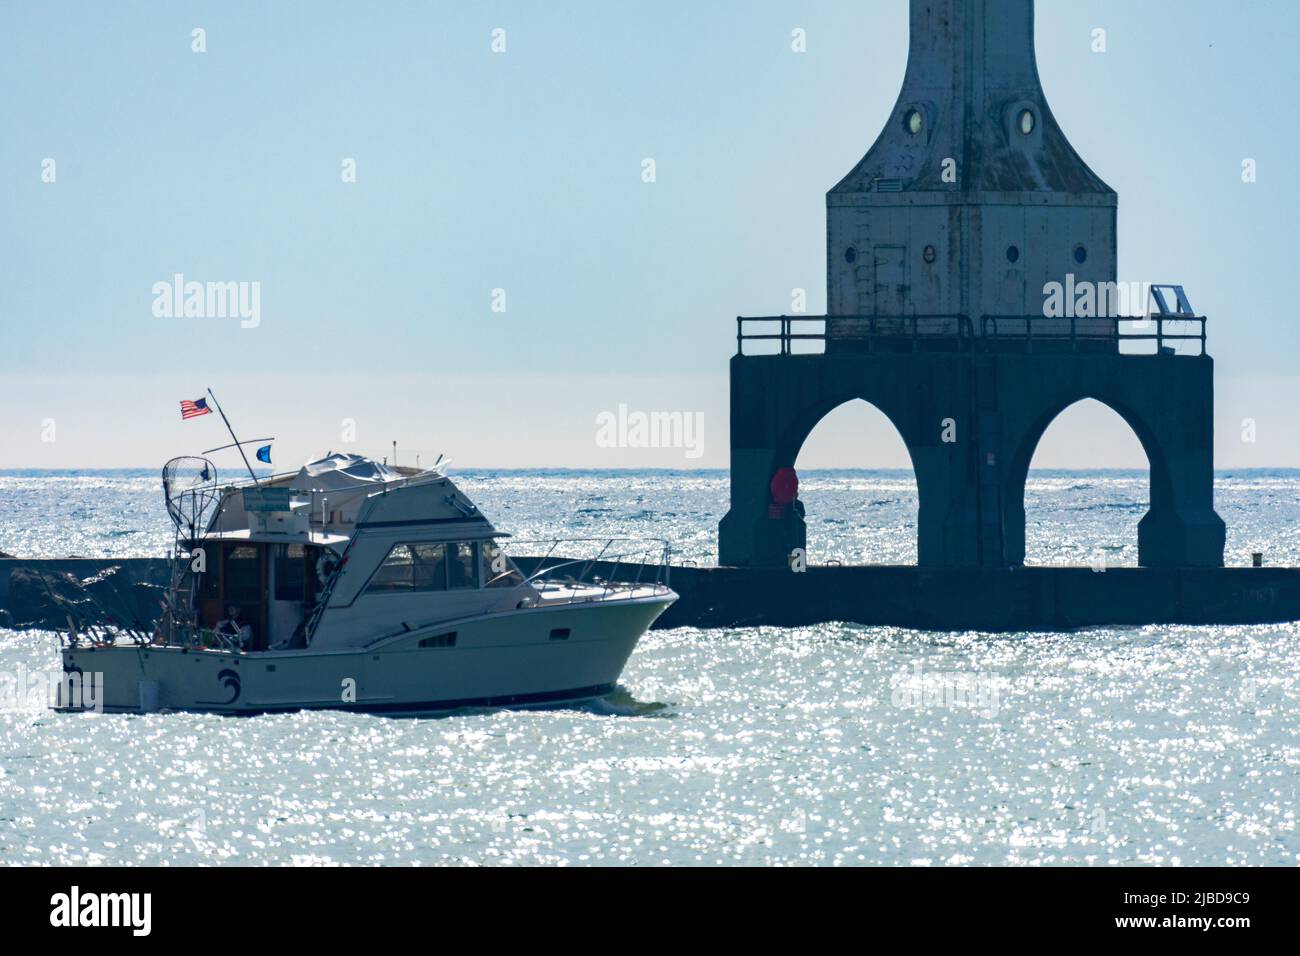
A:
[1167, 332]
[1163, 334]
[789, 330]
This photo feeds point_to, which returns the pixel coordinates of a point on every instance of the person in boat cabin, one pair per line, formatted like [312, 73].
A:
[232, 628]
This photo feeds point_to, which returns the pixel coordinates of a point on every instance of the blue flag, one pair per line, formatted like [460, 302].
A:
[264, 454]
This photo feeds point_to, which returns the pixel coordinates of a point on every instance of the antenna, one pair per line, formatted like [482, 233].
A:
[238, 444]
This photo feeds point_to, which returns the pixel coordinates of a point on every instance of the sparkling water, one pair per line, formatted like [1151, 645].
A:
[820, 745]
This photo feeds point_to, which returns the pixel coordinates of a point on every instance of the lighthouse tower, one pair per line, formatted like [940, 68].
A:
[972, 198]
[941, 243]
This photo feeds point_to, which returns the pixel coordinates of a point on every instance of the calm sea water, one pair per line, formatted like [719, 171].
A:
[836, 744]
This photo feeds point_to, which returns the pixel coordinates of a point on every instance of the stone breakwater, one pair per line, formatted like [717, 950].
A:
[43, 593]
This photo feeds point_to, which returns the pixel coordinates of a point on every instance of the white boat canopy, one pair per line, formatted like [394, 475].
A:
[340, 470]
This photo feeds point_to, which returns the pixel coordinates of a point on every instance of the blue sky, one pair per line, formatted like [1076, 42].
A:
[522, 171]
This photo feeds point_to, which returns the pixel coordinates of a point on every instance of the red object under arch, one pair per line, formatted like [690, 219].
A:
[785, 486]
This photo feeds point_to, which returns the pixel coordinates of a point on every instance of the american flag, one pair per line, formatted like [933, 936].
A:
[194, 409]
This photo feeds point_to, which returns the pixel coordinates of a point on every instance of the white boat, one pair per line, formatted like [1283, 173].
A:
[359, 586]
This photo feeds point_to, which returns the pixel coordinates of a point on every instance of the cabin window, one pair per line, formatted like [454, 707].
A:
[290, 572]
[412, 567]
[498, 570]
[440, 640]
[243, 580]
[428, 567]
[210, 580]
[395, 573]
[462, 565]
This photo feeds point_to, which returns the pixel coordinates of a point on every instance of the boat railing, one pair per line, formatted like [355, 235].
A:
[432, 473]
[85, 630]
[190, 634]
[572, 570]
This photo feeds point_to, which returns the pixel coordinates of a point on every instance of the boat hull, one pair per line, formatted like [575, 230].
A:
[529, 657]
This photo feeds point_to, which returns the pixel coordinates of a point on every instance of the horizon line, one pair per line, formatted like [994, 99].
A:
[720, 469]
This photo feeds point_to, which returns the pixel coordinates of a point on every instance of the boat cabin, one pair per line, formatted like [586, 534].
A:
[371, 543]
[274, 585]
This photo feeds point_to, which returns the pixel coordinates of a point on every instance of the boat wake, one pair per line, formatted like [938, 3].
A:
[621, 703]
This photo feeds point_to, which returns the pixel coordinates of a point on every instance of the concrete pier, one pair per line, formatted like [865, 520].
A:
[994, 600]
[943, 599]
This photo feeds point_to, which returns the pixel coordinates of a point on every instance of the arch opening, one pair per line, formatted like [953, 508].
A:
[1087, 487]
[858, 488]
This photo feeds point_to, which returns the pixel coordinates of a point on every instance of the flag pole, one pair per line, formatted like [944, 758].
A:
[238, 445]
[246, 441]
